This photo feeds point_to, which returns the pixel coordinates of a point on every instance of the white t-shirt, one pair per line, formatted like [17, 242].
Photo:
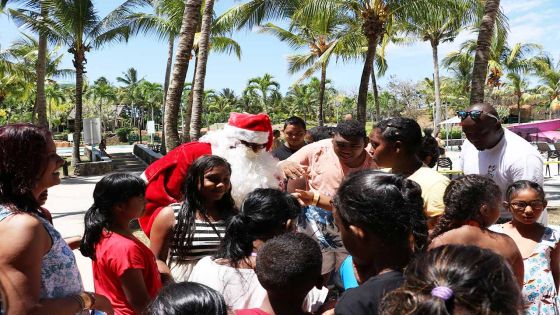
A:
[512, 159]
[241, 288]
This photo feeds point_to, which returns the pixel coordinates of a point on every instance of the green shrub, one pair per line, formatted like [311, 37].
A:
[454, 133]
[123, 133]
[133, 137]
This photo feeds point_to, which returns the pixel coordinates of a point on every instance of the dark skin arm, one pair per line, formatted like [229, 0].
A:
[306, 198]
[160, 239]
[134, 288]
[555, 265]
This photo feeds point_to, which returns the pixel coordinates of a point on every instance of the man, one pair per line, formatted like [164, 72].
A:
[294, 134]
[323, 165]
[498, 153]
[395, 143]
[243, 142]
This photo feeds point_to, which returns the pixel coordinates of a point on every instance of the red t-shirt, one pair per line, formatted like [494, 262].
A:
[252, 311]
[114, 255]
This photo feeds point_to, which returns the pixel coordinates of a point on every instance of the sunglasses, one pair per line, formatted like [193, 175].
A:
[253, 146]
[474, 114]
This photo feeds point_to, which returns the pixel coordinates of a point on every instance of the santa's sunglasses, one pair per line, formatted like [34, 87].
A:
[474, 114]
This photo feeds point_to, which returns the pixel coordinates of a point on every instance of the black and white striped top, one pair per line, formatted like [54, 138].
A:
[205, 240]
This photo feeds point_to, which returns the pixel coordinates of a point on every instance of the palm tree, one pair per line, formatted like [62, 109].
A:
[130, 81]
[548, 71]
[480, 67]
[54, 96]
[460, 64]
[264, 87]
[301, 98]
[76, 24]
[100, 91]
[174, 92]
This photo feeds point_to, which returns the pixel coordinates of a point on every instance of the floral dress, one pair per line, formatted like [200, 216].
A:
[539, 290]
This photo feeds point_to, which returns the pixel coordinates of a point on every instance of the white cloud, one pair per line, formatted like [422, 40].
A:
[519, 6]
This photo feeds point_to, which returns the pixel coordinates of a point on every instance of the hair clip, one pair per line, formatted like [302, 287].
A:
[442, 292]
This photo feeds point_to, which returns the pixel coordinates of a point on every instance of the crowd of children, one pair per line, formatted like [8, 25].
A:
[209, 255]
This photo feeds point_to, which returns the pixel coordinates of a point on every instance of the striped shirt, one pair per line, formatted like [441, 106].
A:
[205, 239]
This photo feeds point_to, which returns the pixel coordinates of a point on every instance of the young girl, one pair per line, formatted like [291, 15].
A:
[472, 204]
[264, 214]
[456, 279]
[183, 233]
[538, 245]
[124, 269]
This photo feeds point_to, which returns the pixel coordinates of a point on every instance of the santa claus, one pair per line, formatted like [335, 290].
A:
[244, 142]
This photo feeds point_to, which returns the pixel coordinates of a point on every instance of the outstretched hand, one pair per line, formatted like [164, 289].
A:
[292, 170]
[303, 196]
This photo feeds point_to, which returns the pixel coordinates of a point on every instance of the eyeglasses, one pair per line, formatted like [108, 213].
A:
[475, 114]
[522, 205]
[254, 146]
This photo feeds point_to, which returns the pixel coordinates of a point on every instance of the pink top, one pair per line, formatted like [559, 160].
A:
[326, 172]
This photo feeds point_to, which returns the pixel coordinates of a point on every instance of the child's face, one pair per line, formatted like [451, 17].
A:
[216, 183]
[134, 207]
[526, 206]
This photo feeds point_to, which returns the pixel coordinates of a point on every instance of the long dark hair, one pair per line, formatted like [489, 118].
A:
[23, 159]
[263, 215]
[389, 205]
[463, 198]
[183, 231]
[478, 280]
[187, 298]
[109, 191]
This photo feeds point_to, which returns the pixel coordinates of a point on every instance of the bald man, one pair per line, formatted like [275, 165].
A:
[498, 153]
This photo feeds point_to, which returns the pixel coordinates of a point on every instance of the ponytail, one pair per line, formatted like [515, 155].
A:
[95, 221]
[109, 191]
[238, 241]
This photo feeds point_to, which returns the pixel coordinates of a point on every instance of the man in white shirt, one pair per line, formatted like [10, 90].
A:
[498, 153]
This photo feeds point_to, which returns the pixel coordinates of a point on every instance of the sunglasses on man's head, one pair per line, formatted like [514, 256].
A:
[475, 114]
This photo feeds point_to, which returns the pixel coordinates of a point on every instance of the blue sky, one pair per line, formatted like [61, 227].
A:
[533, 21]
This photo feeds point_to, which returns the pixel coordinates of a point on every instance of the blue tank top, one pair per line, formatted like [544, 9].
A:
[60, 276]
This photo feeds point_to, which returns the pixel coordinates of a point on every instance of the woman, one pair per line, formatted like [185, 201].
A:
[38, 268]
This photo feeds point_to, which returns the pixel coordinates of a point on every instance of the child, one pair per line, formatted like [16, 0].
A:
[124, 269]
[455, 279]
[182, 233]
[187, 298]
[472, 204]
[264, 214]
[538, 245]
[379, 217]
[288, 267]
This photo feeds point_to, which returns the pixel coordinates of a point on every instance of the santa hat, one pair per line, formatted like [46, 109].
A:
[250, 127]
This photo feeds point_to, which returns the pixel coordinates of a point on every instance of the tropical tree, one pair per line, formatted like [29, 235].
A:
[55, 96]
[480, 68]
[265, 88]
[548, 72]
[301, 98]
[172, 104]
[130, 92]
[460, 64]
[102, 93]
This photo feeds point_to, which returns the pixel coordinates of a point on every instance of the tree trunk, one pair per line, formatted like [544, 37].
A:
[437, 95]
[40, 99]
[364, 81]
[79, 65]
[177, 83]
[320, 118]
[480, 68]
[202, 59]
[375, 95]
[170, 44]
[188, 108]
[518, 109]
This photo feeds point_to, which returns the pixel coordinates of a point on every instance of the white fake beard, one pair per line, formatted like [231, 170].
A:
[250, 170]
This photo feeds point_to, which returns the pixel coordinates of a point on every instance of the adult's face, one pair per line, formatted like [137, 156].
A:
[482, 132]
[295, 136]
[381, 150]
[51, 175]
[349, 149]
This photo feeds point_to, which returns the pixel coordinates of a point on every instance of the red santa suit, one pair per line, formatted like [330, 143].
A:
[166, 176]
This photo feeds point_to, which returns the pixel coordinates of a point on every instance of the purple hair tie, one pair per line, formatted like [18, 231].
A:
[442, 292]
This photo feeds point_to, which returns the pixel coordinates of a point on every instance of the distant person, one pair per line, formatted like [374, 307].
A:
[429, 149]
[185, 232]
[276, 142]
[187, 298]
[103, 148]
[495, 152]
[264, 214]
[455, 279]
[294, 138]
[124, 269]
[323, 165]
[288, 267]
[381, 220]
[37, 268]
[472, 205]
[395, 143]
[539, 247]
[319, 133]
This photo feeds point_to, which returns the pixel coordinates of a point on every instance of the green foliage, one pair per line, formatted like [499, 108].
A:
[454, 133]
[123, 133]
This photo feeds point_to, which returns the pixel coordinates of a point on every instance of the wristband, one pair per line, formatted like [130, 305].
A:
[316, 197]
[88, 301]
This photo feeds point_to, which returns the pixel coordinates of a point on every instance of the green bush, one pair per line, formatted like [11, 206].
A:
[454, 133]
[61, 136]
[133, 137]
[123, 133]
